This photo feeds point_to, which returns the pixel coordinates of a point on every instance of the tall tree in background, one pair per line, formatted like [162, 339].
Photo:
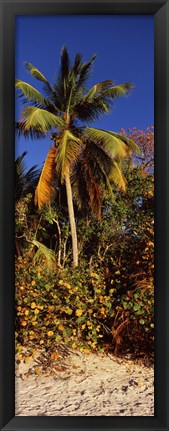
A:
[78, 151]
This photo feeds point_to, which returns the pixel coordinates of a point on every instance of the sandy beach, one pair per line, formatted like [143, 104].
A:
[83, 384]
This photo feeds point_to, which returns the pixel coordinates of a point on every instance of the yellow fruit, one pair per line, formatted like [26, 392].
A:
[36, 311]
[33, 305]
[74, 345]
[33, 283]
[26, 312]
[20, 357]
[61, 327]
[79, 312]
[23, 323]
[67, 285]
[50, 333]
[88, 322]
[75, 289]
[41, 342]
[111, 290]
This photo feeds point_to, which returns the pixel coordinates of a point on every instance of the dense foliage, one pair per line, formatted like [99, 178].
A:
[107, 302]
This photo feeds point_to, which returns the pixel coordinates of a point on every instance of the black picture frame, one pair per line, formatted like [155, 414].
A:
[8, 10]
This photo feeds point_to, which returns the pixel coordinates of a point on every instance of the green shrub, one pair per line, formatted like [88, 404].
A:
[80, 309]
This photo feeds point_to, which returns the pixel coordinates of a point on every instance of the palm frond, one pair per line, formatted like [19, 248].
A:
[117, 90]
[91, 110]
[64, 63]
[68, 152]
[25, 180]
[98, 100]
[35, 72]
[101, 164]
[87, 191]
[39, 120]
[33, 95]
[45, 190]
[131, 144]
[77, 63]
[113, 146]
[97, 88]
[117, 177]
[84, 72]
[40, 77]
[31, 133]
[19, 164]
[44, 257]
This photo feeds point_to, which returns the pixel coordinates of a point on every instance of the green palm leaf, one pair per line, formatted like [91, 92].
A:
[44, 257]
[34, 95]
[117, 90]
[35, 72]
[40, 77]
[112, 145]
[117, 177]
[98, 100]
[97, 88]
[68, 152]
[134, 147]
[37, 119]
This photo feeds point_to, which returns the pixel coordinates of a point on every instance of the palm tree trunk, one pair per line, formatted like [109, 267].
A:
[71, 219]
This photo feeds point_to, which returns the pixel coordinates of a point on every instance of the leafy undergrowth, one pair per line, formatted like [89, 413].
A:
[81, 310]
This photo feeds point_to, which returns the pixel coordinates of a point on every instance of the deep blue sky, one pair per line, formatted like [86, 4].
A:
[124, 46]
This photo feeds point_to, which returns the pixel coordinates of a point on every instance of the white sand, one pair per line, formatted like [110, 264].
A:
[87, 385]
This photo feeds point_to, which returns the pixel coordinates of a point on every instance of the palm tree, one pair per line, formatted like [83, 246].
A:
[62, 110]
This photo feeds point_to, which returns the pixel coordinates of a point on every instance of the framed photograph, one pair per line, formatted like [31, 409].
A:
[84, 205]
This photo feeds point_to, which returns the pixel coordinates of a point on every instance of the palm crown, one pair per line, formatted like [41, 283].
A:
[84, 158]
